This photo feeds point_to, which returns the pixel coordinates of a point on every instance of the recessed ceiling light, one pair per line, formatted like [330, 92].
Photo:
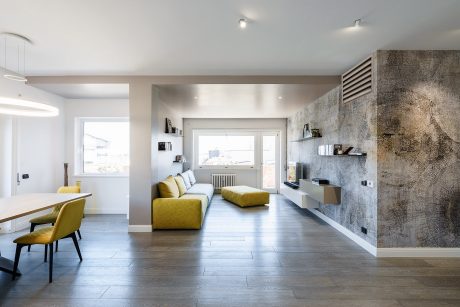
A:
[243, 23]
[357, 23]
[196, 97]
[280, 97]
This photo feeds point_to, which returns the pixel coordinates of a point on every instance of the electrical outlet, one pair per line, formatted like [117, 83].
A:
[364, 230]
[370, 183]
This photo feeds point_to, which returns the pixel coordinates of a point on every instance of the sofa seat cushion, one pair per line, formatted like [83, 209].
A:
[203, 198]
[202, 188]
[168, 188]
[245, 196]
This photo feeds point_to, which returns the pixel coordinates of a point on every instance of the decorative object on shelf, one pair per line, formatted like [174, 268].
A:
[168, 127]
[319, 181]
[306, 131]
[315, 133]
[164, 146]
[66, 174]
[337, 150]
[356, 152]
[180, 159]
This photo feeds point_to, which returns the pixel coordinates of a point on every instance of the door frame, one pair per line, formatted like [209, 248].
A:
[277, 135]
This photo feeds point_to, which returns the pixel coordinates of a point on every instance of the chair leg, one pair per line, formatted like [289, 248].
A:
[57, 243]
[32, 227]
[79, 234]
[16, 259]
[75, 242]
[51, 264]
[46, 252]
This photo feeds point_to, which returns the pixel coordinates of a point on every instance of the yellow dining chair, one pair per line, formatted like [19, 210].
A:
[67, 223]
[51, 217]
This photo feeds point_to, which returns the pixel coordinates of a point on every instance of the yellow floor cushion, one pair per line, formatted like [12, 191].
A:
[245, 196]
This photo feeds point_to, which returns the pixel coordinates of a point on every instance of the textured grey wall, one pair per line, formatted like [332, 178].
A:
[418, 148]
[353, 124]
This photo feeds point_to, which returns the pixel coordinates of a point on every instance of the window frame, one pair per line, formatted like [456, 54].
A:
[79, 141]
[225, 132]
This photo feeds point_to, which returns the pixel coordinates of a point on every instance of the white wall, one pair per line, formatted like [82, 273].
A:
[244, 177]
[110, 193]
[37, 143]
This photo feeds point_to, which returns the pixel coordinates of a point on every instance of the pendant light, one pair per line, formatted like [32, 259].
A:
[19, 105]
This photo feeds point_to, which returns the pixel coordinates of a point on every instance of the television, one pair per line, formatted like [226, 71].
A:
[294, 172]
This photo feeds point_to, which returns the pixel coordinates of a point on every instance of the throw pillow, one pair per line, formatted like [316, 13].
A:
[192, 177]
[181, 185]
[186, 178]
[168, 188]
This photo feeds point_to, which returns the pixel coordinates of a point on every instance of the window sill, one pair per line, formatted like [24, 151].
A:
[99, 176]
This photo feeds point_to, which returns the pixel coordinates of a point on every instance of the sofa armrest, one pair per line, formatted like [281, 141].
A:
[176, 213]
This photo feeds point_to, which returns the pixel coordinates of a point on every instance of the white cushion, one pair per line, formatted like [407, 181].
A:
[186, 178]
[192, 177]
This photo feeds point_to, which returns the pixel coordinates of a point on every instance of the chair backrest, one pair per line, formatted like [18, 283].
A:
[66, 189]
[69, 189]
[69, 219]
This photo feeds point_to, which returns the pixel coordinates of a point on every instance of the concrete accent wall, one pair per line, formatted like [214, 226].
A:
[410, 128]
[419, 149]
[351, 124]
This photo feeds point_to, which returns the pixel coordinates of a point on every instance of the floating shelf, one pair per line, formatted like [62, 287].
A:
[174, 134]
[304, 139]
[362, 155]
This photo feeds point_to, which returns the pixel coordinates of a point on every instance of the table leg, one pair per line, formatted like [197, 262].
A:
[6, 265]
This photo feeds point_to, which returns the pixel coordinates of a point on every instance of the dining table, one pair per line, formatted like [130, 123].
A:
[24, 204]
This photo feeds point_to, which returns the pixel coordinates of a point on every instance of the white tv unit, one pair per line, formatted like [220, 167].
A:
[298, 197]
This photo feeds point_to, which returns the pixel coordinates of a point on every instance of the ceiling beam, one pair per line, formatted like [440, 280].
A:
[159, 80]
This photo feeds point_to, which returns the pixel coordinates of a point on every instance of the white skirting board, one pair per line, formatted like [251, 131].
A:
[358, 240]
[413, 252]
[140, 228]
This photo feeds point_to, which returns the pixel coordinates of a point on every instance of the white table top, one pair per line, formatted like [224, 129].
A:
[21, 205]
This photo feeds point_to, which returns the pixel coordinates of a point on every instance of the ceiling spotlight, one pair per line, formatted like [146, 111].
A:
[280, 97]
[243, 23]
[196, 97]
[357, 23]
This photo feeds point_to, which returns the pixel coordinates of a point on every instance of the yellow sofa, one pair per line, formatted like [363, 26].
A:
[178, 207]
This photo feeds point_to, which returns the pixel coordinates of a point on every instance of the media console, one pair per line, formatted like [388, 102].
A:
[310, 195]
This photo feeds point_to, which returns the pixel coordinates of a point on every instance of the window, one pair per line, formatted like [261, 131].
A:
[103, 147]
[225, 149]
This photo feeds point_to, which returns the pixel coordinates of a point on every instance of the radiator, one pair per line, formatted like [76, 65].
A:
[223, 180]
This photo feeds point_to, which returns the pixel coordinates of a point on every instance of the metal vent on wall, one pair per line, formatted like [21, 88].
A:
[357, 81]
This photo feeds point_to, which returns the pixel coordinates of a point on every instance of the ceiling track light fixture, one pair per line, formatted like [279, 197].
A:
[357, 23]
[20, 41]
[243, 23]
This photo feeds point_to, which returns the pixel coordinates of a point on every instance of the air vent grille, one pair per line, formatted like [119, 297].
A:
[357, 81]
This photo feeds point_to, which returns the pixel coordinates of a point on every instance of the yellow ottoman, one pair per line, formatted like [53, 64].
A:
[245, 196]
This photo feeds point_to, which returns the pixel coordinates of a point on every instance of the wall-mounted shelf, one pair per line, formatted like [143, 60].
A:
[309, 138]
[323, 193]
[178, 162]
[363, 154]
[174, 134]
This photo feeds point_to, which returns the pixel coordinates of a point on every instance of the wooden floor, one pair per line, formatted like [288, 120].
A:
[268, 256]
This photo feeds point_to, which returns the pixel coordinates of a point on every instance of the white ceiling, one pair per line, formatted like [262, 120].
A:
[177, 37]
[86, 91]
[239, 100]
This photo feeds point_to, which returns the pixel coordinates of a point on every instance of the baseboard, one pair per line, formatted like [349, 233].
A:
[139, 228]
[104, 211]
[414, 252]
[355, 238]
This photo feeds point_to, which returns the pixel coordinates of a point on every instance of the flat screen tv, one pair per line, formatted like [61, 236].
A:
[294, 172]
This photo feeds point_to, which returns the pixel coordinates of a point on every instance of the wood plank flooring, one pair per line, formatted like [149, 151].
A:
[263, 256]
